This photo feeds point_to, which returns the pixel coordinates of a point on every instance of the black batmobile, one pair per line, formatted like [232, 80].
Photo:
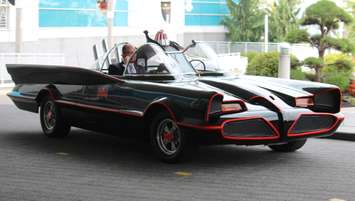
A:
[175, 108]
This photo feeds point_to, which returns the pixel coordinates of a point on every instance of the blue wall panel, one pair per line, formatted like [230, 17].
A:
[209, 8]
[121, 19]
[79, 13]
[203, 20]
[67, 4]
[120, 4]
[206, 13]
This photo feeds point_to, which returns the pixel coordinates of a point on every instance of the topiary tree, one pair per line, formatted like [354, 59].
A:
[351, 27]
[326, 16]
[314, 63]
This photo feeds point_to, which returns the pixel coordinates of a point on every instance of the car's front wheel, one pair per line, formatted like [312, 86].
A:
[52, 122]
[167, 139]
[289, 146]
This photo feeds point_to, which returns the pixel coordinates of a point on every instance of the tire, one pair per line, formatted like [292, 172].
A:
[168, 141]
[52, 122]
[289, 146]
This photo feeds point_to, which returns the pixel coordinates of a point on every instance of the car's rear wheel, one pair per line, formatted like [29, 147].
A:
[168, 141]
[52, 122]
[289, 146]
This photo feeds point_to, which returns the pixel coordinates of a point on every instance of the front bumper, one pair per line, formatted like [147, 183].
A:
[309, 124]
[263, 130]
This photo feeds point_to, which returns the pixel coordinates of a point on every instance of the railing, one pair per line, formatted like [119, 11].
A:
[301, 51]
[25, 58]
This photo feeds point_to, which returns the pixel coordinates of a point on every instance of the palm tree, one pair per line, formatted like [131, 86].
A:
[245, 22]
[283, 18]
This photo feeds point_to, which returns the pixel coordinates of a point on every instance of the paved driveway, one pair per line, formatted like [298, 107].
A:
[89, 166]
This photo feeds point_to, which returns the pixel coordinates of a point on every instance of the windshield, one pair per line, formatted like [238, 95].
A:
[150, 59]
[205, 53]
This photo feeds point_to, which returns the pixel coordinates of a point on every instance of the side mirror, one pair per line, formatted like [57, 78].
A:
[198, 65]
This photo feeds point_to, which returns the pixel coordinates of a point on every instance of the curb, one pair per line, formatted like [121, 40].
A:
[343, 136]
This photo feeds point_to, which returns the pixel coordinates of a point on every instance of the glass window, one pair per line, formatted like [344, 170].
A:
[150, 59]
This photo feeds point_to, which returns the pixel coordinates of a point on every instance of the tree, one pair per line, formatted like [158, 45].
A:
[283, 18]
[351, 27]
[245, 22]
[326, 17]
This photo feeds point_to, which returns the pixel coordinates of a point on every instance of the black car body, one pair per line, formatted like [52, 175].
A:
[175, 108]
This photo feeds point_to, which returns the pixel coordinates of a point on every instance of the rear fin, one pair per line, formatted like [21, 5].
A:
[48, 74]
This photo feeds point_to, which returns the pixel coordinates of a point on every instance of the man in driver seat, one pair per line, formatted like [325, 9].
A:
[127, 52]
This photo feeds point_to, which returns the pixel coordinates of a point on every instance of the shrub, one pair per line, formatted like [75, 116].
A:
[264, 64]
[267, 64]
[298, 74]
[341, 79]
[338, 70]
[250, 55]
[310, 76]
[313, 62]
[342, 62]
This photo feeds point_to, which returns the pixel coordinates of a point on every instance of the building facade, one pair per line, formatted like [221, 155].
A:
[72, 27]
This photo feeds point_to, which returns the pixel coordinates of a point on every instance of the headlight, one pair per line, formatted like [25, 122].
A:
[217, 107]
[232, 106]
[304, 101]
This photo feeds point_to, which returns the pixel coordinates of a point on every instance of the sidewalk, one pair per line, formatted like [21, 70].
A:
[347, 129]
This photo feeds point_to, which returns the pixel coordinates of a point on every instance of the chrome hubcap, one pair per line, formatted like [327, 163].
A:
[49, 115]
[168, 137]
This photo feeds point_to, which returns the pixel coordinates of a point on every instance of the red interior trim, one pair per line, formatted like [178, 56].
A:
[336, 123]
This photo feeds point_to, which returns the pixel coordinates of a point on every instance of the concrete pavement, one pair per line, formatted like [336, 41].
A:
[91, 166]
[347, 130]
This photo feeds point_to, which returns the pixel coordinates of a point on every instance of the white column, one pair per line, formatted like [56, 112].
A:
[19, 41]
[284, 70]
[110, 15]
[26, 23]
[266, 34]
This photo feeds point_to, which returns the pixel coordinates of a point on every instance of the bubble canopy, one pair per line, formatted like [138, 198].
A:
[151, 60]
